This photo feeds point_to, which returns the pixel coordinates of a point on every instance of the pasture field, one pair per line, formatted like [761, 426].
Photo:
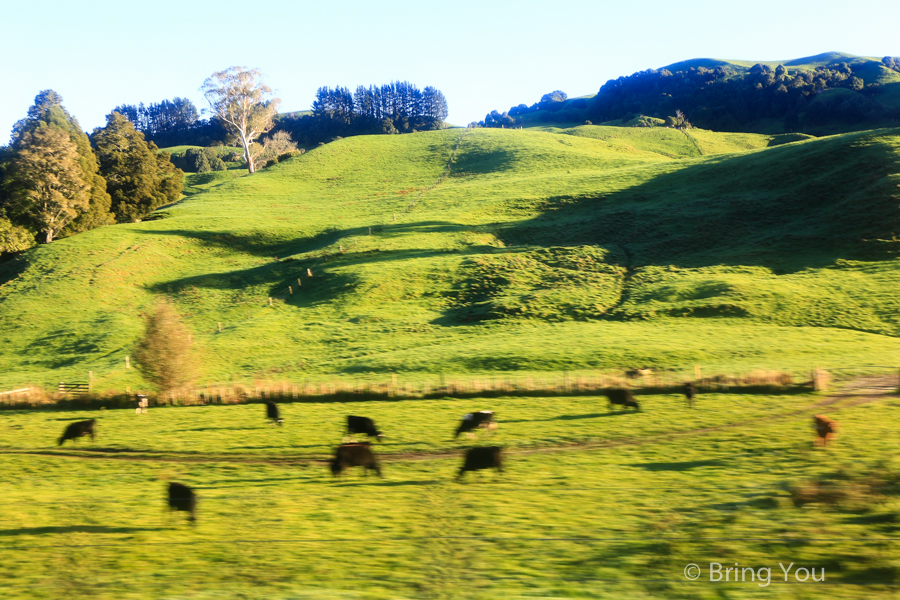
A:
[593, 503]
[489, 251]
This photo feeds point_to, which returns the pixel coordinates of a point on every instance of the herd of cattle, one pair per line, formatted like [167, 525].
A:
[354, 453]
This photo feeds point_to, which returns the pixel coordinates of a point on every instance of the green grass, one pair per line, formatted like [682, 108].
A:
[584, 248]
[593, 504]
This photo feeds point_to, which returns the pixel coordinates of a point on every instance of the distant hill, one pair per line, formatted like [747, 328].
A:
[823, 94]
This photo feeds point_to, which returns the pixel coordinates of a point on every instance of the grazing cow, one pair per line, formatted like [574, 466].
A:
[472, 421]
[483, 457]
[623, 397]
[363, 425]
[825, 429]
[354, 455]
[77, 429]
[272, 414]
[689, 392]
[181, 497]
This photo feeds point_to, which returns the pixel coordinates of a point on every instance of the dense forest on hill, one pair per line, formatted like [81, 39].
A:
[845, 94]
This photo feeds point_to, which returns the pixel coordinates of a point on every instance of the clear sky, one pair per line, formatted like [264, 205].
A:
[481, 54]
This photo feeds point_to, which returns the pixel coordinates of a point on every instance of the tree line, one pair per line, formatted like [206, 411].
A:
[55, 181]
[174, 122]
[397, 107]
[550, 102]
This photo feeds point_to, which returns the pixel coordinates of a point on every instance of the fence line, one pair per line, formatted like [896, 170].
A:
[642, 382]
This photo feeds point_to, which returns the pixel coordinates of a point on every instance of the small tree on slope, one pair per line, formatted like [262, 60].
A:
[165, 357]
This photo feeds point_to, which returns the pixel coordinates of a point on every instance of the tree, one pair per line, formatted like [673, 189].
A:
[14, 238]
[138, 177]
[244, 104]
[164, 355]
[278, 145]
[48, 110]
[47, 179]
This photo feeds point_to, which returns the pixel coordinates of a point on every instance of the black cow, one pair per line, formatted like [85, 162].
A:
[363, 425]
[181, 497]
[77, 429]
[484, 457]
[272, 414]
[354, 455]
[689, 392]
[623, 397]
[472, 421]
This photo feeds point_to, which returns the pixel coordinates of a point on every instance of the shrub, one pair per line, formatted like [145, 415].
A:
[164, 356]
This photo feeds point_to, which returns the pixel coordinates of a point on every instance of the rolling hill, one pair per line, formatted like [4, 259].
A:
[464, 251]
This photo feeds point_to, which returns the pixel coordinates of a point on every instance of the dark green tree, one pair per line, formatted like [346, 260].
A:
[139, 178]
[48, 110]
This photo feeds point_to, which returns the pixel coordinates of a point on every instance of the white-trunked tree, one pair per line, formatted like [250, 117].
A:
[246, 106]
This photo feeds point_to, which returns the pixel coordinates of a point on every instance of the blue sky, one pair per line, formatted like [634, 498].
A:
[482, 55]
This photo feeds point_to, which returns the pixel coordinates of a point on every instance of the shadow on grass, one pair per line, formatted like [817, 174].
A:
[681, 466]
[267, 482]
[268, 245]
[248, 428]
[377, 483]
[75, 529]
[107, 450]
[722, 212]
[564, 418]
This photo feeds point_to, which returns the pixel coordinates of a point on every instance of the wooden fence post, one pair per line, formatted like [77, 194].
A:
[298, 282]
[309, 272]
[270, 300]
[220, 327]
[127, 363]
[291, 290]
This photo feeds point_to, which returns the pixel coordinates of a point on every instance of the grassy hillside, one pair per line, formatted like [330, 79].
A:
[491, 250]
